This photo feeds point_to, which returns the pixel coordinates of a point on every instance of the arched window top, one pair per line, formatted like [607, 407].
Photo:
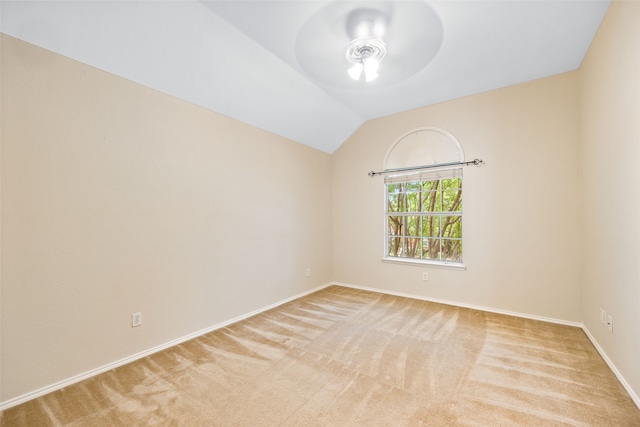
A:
[423, 147]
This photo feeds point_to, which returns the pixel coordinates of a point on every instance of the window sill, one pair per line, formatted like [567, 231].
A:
[423, 263]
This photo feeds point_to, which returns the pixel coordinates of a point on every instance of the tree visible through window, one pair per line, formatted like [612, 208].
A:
[424, 219]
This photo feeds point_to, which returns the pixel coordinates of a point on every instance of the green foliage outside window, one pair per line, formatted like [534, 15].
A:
[424, 220]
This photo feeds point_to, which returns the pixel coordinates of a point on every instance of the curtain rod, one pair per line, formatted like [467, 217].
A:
[476, 162]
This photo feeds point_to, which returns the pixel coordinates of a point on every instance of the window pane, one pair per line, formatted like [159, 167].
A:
[403, 247]
[452, 200]
[431, 185]
[413, 248]
[402, 202]
[395, 226]
[395, 246]
[452, 250]
[431, 249]
[451, 226]
[394, 188]
[431, 201]
[412, 226]
[414, 202]
[451, 183]
[396, 198]
[430, 226]
[392, 202]
[413, 187]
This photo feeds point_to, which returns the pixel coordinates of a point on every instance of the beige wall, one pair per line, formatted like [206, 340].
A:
[610, 158]
[117, 199]
[521, 236]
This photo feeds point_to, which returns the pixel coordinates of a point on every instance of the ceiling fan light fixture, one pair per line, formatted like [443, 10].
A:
[371, 66]
[356, 71]
[365, 54]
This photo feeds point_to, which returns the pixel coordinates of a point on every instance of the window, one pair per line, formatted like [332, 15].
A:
[423, 198]
[424, 217]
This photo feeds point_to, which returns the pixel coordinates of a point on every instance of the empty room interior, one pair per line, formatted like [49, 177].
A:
[320, 213]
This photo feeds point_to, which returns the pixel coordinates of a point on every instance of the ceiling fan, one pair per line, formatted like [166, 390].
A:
[383, 41]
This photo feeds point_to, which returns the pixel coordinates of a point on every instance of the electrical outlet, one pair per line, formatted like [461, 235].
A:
[610, 323]
[603, 317]
[308, 271]
[136, 319]
[425, 276]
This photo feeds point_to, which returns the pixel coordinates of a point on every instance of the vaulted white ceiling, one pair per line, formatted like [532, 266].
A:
[281, 66]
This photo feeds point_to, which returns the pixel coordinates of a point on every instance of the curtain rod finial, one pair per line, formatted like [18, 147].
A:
[372, 173]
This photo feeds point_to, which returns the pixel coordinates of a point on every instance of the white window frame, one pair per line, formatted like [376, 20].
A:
[421, 177]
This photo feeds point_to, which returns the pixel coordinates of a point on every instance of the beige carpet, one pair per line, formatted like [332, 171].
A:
[345, 357]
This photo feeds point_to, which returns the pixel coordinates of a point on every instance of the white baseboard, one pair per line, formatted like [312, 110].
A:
[93, 372]
[459, 304]
[617, 373]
